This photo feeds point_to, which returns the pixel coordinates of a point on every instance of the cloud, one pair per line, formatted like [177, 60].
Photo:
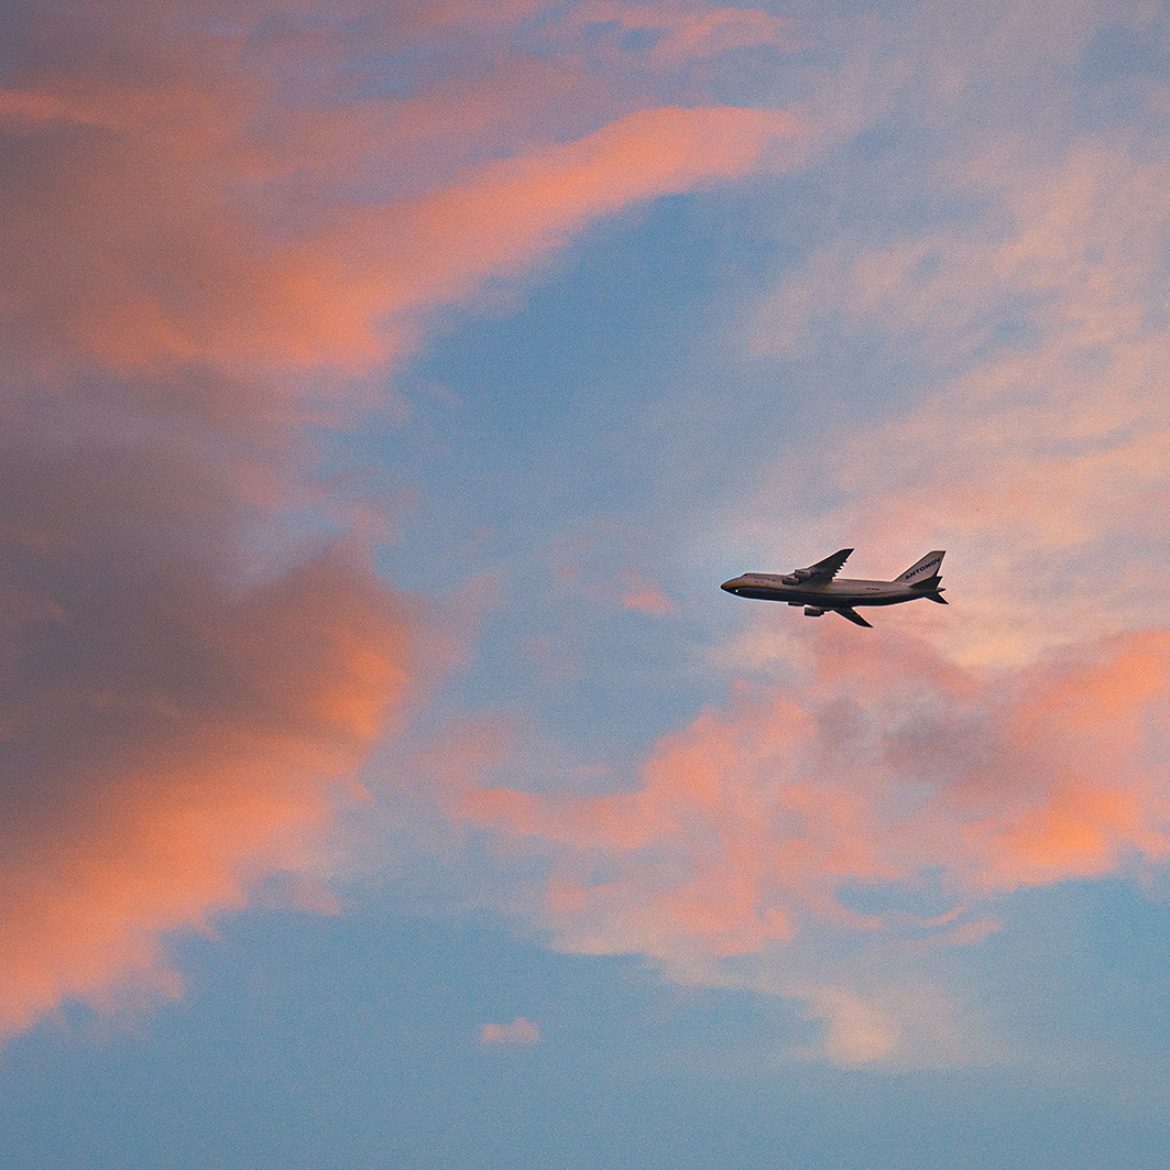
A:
[884, 795]
[210, 224]
[1023, 337]
[519, 1031]
[348, 292]
[149, 221]
[859, 805]
[643, 596]
[172, 727]
[681, 34]
[1004, 290]
[584, 562]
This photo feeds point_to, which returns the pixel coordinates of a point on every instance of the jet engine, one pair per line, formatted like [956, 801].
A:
[812, 611]
[795, 577]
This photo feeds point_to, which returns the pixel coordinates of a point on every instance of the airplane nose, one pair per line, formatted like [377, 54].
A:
[730, 585]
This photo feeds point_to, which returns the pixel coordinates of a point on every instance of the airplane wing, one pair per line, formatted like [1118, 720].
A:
[851, 615]
[827, 569]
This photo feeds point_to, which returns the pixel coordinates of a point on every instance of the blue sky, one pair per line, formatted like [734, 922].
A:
[351, 1040]
[387, 781]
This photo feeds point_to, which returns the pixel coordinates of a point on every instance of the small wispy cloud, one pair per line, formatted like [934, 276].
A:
[645, 596]
[519, 1031]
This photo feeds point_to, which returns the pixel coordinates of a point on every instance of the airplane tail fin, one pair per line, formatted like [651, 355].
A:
[924, 574]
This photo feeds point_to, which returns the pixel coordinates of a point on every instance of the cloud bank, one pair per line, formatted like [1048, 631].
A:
[875, 767]
[989, 288]
[884, 798]
[171, 729]
[210, 224]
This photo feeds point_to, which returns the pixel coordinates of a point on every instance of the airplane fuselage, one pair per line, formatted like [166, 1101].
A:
[822, 594]
[820, 591]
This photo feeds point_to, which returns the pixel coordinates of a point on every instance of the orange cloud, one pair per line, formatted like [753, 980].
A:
[167, 269]
[191, 223]
[519, 1031]
[177, 210]
[170, 731]
[882, 768]
[644, 596]
[582, 560]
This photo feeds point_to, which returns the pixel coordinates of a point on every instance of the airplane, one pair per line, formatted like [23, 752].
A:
[819, 592]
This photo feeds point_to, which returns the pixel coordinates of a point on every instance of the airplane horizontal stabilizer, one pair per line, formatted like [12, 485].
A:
[851, 615]
[926, 585]
[936, 597]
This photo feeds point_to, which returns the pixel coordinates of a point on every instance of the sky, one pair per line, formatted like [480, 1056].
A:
[387, 389]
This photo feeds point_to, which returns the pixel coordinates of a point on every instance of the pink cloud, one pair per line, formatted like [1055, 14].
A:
[879, 767]
[519, 1031]
[644, 596]
[582, 561]
[1041, 448]
[154, 223]
[171, 732]
[190, 224]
